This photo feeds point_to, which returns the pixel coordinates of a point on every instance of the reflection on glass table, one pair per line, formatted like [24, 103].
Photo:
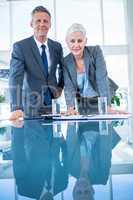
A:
[66, 160]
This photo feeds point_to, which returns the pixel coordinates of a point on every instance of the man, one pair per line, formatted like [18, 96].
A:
[39, 160]
[36, 68]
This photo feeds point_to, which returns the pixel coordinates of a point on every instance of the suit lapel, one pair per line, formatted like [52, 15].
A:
[72, 69]
[54, 58]
[51, 51]
[36, 54]
[86, 60]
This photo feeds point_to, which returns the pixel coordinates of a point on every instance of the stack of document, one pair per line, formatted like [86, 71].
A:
[93, 117]
[74, 117]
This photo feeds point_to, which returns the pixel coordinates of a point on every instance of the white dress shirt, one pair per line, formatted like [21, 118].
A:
[39, 44]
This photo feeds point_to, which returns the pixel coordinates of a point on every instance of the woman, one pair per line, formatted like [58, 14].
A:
[79, 74]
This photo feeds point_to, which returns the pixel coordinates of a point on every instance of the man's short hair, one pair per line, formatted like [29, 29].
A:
[40, 9]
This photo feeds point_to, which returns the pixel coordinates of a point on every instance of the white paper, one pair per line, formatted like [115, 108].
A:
[94, 117]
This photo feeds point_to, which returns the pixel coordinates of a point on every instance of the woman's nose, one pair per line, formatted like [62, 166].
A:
[76, 44]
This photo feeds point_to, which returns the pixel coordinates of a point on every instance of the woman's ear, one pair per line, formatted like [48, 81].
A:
[66, 39]
[86, 40]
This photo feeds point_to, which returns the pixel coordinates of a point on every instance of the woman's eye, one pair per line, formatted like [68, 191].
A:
[72, 41]
[79, 41]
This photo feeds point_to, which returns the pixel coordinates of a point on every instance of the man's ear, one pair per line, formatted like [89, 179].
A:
[50, 24]
[31, 24]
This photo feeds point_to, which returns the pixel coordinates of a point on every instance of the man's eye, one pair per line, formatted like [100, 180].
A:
[45, 21]
[38, 21]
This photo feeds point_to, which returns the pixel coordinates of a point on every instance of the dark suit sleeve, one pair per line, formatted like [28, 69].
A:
[16, 77]
[55, 79]
[69, 89]
[18, 153]
[61, 78]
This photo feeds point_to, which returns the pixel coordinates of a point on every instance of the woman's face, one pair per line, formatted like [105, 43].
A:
[83, 190]
[76, 42]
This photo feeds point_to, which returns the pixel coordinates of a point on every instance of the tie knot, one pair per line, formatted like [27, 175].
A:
[43, 46]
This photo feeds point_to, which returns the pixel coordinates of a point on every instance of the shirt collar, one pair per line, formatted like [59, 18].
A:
[39, 44]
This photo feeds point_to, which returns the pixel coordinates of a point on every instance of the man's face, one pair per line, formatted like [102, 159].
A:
[76, 43]
[41, 23]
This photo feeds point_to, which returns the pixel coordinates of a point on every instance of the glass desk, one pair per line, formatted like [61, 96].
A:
[65, 160]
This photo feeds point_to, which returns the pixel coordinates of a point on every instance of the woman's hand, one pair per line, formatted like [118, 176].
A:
[16, 115]
[71, 111]
[114, 111]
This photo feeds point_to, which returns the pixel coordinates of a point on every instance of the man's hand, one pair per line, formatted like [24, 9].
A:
[17, 123]
[17, 114]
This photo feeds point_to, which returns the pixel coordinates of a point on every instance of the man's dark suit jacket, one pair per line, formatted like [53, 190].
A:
[27, 74]
[35, 152]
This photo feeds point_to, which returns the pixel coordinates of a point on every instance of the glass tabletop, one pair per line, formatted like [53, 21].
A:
[64, 160]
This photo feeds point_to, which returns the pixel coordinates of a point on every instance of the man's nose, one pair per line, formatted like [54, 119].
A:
[42, 22]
